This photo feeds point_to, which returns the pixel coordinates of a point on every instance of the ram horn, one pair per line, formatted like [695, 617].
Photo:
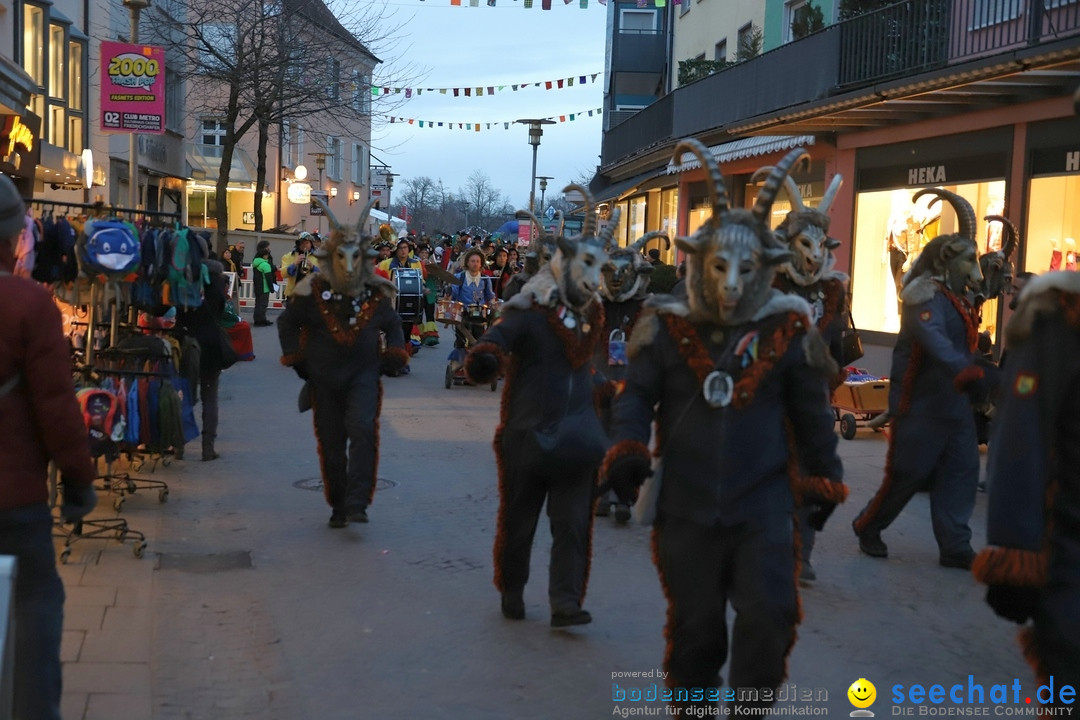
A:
[526, 214]
[763, 205]
[789, 185]
[561, 222]
[364, 215]
[643, 241]
[607, 235]
[1012, 235]
[335, 226]
[830, 193]
[588, 228]
[965, 215]
[714, 180]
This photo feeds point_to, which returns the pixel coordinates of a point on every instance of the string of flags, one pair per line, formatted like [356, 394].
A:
[545, 4]
[480, 91]
[477, 127]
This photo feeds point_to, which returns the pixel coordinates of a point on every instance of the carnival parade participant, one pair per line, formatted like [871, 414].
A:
[936, 376]
[736, 379]
[40, 422]
[624, 286]
[811, 275]
[549, 441]
[1032, 564]
[329, 335]
[474, 289]
[403, 259]
[297, 264]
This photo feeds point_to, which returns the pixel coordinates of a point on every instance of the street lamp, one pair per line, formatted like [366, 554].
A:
[320, 165]
[536, 131]
[543, 190]
[389, 187]
[333, 192]
[136, 7]
[354, 196]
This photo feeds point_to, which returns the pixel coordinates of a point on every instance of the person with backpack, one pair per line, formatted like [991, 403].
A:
[40, 423]
[262, 281]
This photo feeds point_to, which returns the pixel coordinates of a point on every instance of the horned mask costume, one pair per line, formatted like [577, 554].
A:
[627, 273]
[346, 259]
[733, 256]
[996, 266]
[806, 232]
[950, 259]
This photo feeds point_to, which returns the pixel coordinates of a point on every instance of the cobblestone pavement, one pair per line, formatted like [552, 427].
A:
[247, 605]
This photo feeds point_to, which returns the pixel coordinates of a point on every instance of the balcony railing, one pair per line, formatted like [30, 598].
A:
[644, 128]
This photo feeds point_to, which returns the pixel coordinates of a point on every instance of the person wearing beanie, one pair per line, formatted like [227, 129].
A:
[40, 422]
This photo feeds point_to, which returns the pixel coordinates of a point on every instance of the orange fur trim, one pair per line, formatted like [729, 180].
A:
[292, 358]
[579, 348]
[471, 371]
[970, 374]
[499, 546]
[398, 354]
[603, 394]
[343, 334]
[620, 449]
[690, 346]
[822, 487]
[871, 511]
[669, 622]
[832, 303]
[1011, 566]
[770, 350]
[968, 313]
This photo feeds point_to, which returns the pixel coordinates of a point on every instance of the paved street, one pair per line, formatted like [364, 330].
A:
[247, 605]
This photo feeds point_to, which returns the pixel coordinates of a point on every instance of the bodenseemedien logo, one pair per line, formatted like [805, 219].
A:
[862, 695]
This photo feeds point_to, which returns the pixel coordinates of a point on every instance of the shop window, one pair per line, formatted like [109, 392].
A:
[635, 221]
[57, 125]
[622, 231]
[34, 45]
[889, 233]
[669, 213]
[1053, 230]
[75, 134]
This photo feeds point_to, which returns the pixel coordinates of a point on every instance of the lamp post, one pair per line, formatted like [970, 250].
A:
[136, 7]
[536, 131]
[389, 188]
[543, 190]
[320, 165]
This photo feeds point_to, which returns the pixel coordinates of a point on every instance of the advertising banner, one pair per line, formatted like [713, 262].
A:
[132, 88]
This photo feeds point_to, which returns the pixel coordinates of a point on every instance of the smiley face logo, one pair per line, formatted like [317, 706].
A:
[862, 695]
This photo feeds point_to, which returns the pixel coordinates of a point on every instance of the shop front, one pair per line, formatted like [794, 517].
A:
[1053, 213]
[20, 148]
[890, 230]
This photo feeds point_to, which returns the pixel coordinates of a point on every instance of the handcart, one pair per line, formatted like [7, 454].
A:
[470, 322]
[859, 400]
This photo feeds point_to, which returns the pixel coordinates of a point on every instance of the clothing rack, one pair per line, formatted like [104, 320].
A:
[101, 209]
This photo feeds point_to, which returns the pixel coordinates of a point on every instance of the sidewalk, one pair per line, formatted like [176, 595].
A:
[247, 606]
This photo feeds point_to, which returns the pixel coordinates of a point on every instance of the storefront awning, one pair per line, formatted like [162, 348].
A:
[743, 148]
[205, 161]
[623, 187]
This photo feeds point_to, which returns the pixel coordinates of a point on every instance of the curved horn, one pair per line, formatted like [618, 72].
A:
[714, 180]
[1012, 235]
[561, 220]
[588, 228]
[830, 193]
[964, 213]
[608, 233]
[772, 185]
[335, 226]
[364, 215]
[642, 241]
[789, 185]
[540, 225]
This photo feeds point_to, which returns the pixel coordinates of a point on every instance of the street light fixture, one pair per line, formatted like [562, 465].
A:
[389, 188]
[543, 190]
[333, 192]
[135, 7]
[355, 196]
[536, 131]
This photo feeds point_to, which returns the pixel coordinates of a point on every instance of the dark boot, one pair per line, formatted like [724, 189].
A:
[208, 451]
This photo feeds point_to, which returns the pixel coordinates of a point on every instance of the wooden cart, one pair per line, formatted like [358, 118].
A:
[855, 401]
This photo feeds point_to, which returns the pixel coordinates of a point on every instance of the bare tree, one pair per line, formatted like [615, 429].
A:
[255, 63]
[486, 202]
[424, 197]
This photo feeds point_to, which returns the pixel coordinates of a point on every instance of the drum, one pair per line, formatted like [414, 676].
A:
[449, 312]
[410, 294]
[496, 309]
[476, 313]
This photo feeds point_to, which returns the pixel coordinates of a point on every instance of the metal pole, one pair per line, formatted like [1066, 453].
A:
[318, 218]
[133, 139]
[532, 190]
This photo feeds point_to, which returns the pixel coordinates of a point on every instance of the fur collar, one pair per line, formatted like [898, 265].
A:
[779, 302]
[376, 284]
[919, 290]
[1039, 298]
[828, 272]
[668, 305]
[541, 289]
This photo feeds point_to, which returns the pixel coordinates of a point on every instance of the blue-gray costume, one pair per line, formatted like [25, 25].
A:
[1032, 564]
[933, 429]
[342, 362]
[723, 529]
[548, 381]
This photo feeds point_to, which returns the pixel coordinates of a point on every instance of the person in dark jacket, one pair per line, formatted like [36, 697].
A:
[545, 339]
[204, 324]
[40, 422]
[1032, 562]
[329, 335]
[735, 379]
[936, 375]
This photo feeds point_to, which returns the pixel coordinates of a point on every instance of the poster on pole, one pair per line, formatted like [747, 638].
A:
[132, 88]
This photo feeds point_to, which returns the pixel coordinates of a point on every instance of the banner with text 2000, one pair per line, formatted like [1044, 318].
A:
[132, 88]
